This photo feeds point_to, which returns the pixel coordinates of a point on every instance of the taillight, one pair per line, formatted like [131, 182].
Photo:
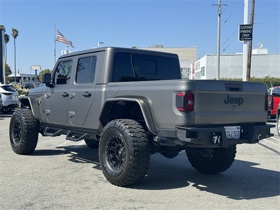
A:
[185, 102]
[267, 103]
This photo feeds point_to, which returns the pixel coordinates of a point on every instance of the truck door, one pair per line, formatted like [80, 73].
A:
[56, 101]
[83, 91]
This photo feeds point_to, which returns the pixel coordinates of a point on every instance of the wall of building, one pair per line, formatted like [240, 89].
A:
[184, 53]
[262, 65]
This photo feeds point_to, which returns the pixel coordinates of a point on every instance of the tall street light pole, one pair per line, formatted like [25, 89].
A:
[218, 38]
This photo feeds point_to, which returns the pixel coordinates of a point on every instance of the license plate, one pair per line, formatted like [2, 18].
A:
[232, 132]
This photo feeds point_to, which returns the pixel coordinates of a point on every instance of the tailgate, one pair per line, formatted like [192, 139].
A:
[227, 102]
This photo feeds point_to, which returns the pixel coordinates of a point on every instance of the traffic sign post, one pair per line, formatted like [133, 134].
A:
[245, 32]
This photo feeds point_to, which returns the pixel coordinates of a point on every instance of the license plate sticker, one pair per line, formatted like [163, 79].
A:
[232, 132]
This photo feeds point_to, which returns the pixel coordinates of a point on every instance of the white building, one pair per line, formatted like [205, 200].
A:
[23, 78]
[231, 66]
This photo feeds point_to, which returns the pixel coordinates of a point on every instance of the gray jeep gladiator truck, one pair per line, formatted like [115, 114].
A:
[131, 103]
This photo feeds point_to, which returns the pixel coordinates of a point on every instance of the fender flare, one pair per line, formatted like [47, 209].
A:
[25, 103]
[144, 107]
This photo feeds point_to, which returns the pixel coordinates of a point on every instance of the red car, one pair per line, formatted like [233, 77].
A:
[272, 101]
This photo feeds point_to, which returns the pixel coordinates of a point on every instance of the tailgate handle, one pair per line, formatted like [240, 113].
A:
[234, 87]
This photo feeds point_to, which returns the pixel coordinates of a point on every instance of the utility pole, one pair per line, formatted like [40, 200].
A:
[245, 46]
[248, 75]
[219, 36]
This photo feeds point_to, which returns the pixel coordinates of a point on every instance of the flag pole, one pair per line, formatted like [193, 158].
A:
[54, 43]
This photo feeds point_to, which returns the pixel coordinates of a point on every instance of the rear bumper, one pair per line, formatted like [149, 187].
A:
[216, 136]
[272, 113]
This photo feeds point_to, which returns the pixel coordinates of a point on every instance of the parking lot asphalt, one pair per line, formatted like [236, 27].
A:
[66, 175]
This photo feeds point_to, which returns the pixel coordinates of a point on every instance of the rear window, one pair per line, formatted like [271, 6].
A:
[8, 88]
[276, 90]
[141, 67]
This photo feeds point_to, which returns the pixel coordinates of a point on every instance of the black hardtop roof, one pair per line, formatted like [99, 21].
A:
[118, 49]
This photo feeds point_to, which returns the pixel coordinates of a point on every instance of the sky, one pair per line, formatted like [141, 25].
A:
[127, 23]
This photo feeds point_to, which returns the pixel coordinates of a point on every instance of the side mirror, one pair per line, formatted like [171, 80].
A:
[47, 79]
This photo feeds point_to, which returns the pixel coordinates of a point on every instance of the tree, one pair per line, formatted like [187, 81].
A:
[15, 35]
[6, 38]
[43, 72]
[7, 72]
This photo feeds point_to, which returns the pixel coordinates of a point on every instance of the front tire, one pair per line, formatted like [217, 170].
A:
[211, 161]
[23, 132]
[124, 152]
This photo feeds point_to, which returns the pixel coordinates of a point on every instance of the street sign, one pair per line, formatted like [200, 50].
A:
[245, 32]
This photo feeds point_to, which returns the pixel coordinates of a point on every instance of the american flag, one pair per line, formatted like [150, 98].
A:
[60, 38]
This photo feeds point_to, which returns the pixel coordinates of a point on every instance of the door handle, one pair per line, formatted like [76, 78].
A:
[65, 94]
[87, 94]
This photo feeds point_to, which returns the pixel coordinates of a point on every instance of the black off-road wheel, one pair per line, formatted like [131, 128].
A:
[91, 143]
[124, 152]
[211, 161]
[23, 132]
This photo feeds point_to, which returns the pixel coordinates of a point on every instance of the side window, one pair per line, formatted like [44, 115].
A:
[122, 68]
[63, 72]
[86, 70]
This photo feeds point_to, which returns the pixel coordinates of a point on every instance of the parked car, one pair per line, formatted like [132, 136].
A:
[273, 99]
[28, 85]
[9, 98]
[278, 120]
[1, 104]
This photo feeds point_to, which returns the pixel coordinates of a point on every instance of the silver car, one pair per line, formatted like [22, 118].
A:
[1, 104]
[9, 97]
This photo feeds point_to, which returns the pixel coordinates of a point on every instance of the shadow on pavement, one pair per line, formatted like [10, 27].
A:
[242, 181]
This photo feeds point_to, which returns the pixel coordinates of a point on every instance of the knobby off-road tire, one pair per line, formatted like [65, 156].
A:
[23, 132]
[124, 152]
[211, 161]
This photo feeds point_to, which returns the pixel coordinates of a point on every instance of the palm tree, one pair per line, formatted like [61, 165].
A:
[15, 35]
[6, 40]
